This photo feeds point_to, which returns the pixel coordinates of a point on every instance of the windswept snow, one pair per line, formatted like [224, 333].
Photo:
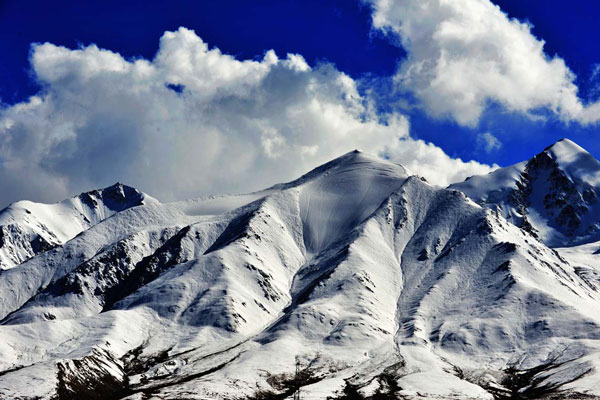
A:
[370, 281]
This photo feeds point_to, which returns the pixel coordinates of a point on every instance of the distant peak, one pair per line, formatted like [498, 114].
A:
[566, 151]
[116, 197]
[119, 187]
[565, 145]
[574, 160]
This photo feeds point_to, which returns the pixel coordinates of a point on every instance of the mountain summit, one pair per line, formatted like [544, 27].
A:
[576, 162]
[554, 195]
[28, 228]
[355, 281]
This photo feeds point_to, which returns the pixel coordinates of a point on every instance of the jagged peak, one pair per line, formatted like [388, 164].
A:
[114, 188]
[116, 197]
[574, 160]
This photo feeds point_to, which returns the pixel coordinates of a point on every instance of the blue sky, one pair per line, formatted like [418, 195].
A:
[337, 32]
[316, 29]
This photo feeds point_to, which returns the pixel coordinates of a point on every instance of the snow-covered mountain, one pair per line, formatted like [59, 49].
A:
[555, 195]
[28, 228]
[356, 281]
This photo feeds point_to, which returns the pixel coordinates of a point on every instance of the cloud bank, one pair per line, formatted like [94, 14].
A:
[465, 54]
[192, 121]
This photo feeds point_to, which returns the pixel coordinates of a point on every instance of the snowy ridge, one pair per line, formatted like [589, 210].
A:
[378, 284]
[28, 228]
[554, 195]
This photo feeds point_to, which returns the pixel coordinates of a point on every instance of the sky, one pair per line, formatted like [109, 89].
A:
[188, 98]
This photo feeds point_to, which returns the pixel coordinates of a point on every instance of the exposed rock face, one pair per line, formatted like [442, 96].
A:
[18, 244]
[117, 197]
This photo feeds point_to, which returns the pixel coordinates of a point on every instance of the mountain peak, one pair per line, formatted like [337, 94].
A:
[564, 142]
[565, 148]
[116, 197]
[352, 160]
[575, 161]
[32, 228]
[553, 194]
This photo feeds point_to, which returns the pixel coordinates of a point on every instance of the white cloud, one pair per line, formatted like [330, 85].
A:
[235, 126]
[488, 142]
[464, 54]
[430, 161]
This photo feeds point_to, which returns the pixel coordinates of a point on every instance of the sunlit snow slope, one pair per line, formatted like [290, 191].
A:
[368, 281]
[28, 228]
[555, 195]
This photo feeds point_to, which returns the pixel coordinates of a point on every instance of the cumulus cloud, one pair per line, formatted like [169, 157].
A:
[465, 54]
[431, 162]
[192, 121]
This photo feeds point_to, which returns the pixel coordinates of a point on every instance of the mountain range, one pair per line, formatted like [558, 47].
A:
[358, 280]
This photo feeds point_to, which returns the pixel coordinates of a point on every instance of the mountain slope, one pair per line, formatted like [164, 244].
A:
[554, 195]
[28, 228]
[368, 281]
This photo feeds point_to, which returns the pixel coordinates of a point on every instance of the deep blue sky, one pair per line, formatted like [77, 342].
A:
[337, 31]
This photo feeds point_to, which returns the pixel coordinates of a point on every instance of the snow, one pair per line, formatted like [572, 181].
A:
[493, 187]
[368, 277]
[55, 224]
[344, 197]
[554, 193]
[576, 161]
[440, 385]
